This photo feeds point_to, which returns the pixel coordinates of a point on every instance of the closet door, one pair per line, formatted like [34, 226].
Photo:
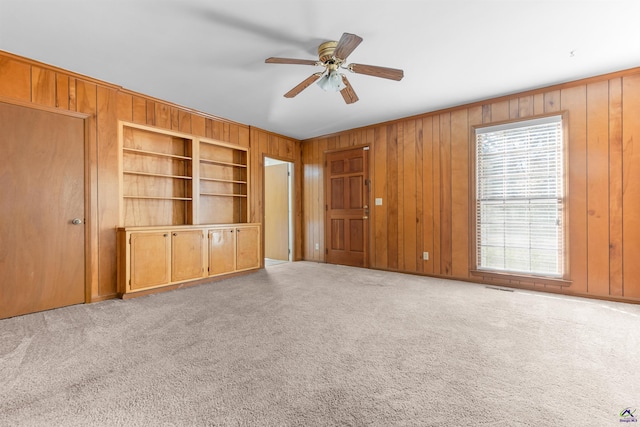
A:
[42, 218]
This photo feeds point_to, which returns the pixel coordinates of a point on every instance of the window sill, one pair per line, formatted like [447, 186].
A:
[522, 278]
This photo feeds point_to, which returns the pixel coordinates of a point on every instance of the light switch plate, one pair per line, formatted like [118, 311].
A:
[378, 201]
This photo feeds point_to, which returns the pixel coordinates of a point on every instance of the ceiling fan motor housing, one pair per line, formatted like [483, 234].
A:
[325, 51]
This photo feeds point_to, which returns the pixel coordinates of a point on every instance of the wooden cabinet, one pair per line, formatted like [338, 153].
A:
[155, 257]
[222, 250]
[234, 249]
[247, 247]
[188, 255]
[150, 259]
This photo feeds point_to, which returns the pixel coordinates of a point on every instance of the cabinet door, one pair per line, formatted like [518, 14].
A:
[150, 259]
[222, 251]
[187, 255]
[248, 247]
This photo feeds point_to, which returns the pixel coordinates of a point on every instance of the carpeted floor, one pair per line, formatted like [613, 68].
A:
[306, 344]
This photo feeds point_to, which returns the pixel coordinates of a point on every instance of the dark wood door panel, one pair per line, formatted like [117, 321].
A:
[347, 196]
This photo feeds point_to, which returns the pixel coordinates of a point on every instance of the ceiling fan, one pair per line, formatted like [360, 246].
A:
[333, 55]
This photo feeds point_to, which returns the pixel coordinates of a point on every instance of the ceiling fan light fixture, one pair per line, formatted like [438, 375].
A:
[332, 82]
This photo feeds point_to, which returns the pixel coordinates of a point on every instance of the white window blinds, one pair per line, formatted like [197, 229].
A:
[519, 197]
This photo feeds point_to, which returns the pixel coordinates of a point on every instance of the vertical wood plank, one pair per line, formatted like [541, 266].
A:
[307, 195]
[500, 111]
[401, 196]
[175, 118]
[538, 104]
[85, 99]
[208, 128]
[198, 125]
[392, 196]
[139, 110]
[380, 191]
[125, 107]
[436, 192]
[73, 97]
[631, 184]
[615, 187]
[43, 86]
[460, 191]
[574, 100]
[514, 108]
[525, 106]
[185, 121]
[409, 232]
[552, 101]
[419, 196]
[446, 230]
[226, 132]
[108, 186]
[486, 113]
[598, 188]
[427, 193]
[62, 91]
[319, 201]
[15, 79]
[151, 113]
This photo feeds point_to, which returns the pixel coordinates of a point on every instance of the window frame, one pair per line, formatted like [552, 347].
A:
[517, 277]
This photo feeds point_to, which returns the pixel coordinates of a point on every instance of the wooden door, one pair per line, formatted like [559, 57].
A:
[42, 255]
[276, 211]
[247, 247]
[347, 207]
[222, 251]
[150, 259]
[187, 255]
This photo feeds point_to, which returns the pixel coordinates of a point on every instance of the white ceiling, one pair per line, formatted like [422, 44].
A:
[209, 54]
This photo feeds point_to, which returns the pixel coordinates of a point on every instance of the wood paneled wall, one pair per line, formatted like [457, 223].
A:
[420, 167]
[31, 82]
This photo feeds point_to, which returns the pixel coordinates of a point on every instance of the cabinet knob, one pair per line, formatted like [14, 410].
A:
[165, 235]
[175, 234]
[76, 221]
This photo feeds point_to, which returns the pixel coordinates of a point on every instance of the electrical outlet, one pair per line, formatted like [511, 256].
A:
[317, 246]
[425, 256]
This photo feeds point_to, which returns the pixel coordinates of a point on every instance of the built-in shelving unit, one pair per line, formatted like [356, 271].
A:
[157, 178]
[223, 189]
[171, 178]
[184, 210]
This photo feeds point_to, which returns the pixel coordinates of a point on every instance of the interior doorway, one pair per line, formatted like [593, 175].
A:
[278, 211]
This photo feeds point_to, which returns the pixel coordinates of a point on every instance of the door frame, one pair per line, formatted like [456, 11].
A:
[368, 185]
[90, 188]
[292, 201]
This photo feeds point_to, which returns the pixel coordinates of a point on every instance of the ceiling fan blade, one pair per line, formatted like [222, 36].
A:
[290, 61]
[302, 86]
[348, 93]
[372, 70]
[346, 45]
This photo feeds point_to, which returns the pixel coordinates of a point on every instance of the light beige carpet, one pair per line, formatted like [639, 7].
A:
[306, 344]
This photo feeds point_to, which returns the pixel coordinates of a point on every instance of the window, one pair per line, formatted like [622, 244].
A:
[520, 198]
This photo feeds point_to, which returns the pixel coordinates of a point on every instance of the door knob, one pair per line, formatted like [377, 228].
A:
[76, 221]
